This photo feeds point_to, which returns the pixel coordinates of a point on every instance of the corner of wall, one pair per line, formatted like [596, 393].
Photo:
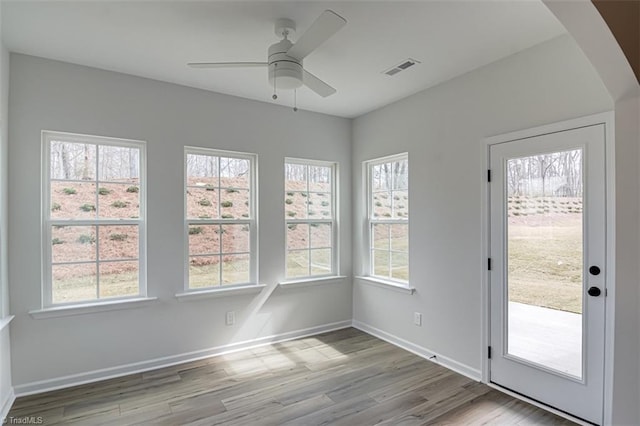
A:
[6, 386]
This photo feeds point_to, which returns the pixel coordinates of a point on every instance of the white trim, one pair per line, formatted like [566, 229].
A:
[91, 308]
[369, 220]
[49, 136]
[539, 404]
[251, 221]
[389, 285]
[333, 220]
[307, 282]
[5, 322]
[610, 271]
[561, 126]
[139, 367]
[608, 119]
[219, 292]
[425, 353]
[7, 404]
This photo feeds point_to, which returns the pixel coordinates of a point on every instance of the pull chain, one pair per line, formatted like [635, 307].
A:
[275, 79]
[295, 100]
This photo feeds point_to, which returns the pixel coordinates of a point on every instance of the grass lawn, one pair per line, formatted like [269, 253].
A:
[545, 263]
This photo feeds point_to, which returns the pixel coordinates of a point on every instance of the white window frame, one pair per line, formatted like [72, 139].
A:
[251, 221]
[48, 223]
[371, 220]
[333, 220]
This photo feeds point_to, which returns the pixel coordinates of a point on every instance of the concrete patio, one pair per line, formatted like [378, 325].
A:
[546, 336]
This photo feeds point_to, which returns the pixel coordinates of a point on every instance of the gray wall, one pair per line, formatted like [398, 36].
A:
[6, 391]
[59, 96]
[443, 129]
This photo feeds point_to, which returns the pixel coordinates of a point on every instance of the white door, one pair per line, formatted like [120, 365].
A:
[547, 273]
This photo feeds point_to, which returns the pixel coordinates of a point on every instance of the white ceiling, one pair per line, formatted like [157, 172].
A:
[156, 39]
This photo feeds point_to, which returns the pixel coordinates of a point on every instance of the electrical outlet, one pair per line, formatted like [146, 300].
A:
[417, 318]
[230, 318]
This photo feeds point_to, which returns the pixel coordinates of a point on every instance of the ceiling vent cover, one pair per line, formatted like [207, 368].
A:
[401, 67]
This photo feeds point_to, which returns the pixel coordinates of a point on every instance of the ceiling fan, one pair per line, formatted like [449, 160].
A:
[285, 58]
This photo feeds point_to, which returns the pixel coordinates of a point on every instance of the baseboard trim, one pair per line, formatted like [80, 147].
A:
[6, 405]
[425, 353]
[139, 367]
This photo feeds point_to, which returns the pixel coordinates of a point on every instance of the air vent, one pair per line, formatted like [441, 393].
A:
[401, 67]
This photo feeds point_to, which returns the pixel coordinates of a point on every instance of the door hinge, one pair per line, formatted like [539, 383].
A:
[489, 175]
[489, 352]
[489, 264]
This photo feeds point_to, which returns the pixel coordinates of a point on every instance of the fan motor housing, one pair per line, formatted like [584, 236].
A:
[285, 72]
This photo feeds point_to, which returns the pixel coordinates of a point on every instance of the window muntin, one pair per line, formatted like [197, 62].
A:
[94, 227]
[388, 218]
[220, 219]
[310, 218]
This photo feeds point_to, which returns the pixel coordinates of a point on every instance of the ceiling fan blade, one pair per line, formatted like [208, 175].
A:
[327, 24]
[227, 64]
[317, 85]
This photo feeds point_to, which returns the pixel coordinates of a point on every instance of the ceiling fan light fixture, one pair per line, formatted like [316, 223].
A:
[284, 63]
[285, 72]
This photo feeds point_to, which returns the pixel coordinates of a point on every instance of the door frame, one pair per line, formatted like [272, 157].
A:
[608, 119]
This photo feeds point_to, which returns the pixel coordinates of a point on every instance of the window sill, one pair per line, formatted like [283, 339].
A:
[91, 308]
[306, 282]
[5, 321]
[390, 285]
[219, 292]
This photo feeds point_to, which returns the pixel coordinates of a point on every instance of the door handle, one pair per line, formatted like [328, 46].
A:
[594, 291]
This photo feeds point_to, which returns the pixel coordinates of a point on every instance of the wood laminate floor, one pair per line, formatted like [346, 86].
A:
[345, 377]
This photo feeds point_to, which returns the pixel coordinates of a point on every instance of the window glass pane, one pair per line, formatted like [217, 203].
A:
[234, 203]
[118, 201]
[319, 179]
[381, 177]
[73, 243]
[399, 237]
[321, 261]
[204, 271]
[204, 239]
[400, 266]
[321, 203]
[118, 279]
[295, 205]
[381, 204]
[202, 170]
[118, 242]
[73, 161]
[234, 173]
[380, 236]
[297, 236]
[380, 260]
[400, 205]
[320, 235]
[73, 200]
[400, 170]
[235, 239]
[295, 177]
[202, 203]
[119, 164]
[297, 263]
[235, 269]
[74, 283]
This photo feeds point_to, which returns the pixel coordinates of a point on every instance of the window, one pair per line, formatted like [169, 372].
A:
[220, 219]
[310, 215]
[388, 218]
[94, 218]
